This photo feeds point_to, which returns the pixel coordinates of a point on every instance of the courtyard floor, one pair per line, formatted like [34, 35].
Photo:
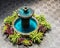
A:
[51, 10]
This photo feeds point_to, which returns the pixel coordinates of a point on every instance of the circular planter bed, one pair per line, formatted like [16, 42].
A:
[27, 39]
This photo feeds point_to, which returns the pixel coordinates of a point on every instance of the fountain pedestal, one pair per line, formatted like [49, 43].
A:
[25, 23]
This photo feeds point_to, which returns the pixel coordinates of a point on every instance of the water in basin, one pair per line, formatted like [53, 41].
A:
[32, 25]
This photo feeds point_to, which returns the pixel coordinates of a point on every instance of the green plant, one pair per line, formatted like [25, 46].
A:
[4, 28]
[13, 38]
[11, 18]
[43, 21]
[26, 42]
[19, 40]
[40, 17]
[37, 16]
[7, 20]
[9, 31]
[46, 24]
[42, 29]
[36, 37]
[14, 16]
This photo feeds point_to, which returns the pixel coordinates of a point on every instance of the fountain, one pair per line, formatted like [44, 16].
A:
[25, 27]
[25, 23]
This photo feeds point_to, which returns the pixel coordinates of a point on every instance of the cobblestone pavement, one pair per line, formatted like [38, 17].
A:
[51, 9]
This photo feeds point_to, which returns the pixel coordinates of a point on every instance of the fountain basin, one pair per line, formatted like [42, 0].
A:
[33, 25]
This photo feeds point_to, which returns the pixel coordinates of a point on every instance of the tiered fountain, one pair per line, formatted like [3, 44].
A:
[25, 23]
[23, 28]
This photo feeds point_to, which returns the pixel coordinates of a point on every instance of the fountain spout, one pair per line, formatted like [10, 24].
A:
[25, 9]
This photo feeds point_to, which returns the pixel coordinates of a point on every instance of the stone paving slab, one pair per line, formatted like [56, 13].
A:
[51, 10]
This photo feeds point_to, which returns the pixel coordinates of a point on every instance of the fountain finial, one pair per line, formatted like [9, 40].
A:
[25, 8]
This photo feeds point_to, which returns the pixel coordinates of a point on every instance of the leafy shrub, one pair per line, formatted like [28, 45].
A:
[26, 42]
[42, 29]
[36, 37]
[46, 24]
[9, 31]
[19, 40]
[14, 16]
[7, 20]
[41, 19]
[4, 28]
[11, 18]
[13, 38]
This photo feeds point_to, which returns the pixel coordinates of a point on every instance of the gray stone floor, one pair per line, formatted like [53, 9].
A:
[51, 10]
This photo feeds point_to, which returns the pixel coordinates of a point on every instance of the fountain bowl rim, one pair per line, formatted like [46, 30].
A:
[25, 16]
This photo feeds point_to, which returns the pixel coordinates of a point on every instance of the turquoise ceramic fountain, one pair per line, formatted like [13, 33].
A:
[23, 28]
[25, 23]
